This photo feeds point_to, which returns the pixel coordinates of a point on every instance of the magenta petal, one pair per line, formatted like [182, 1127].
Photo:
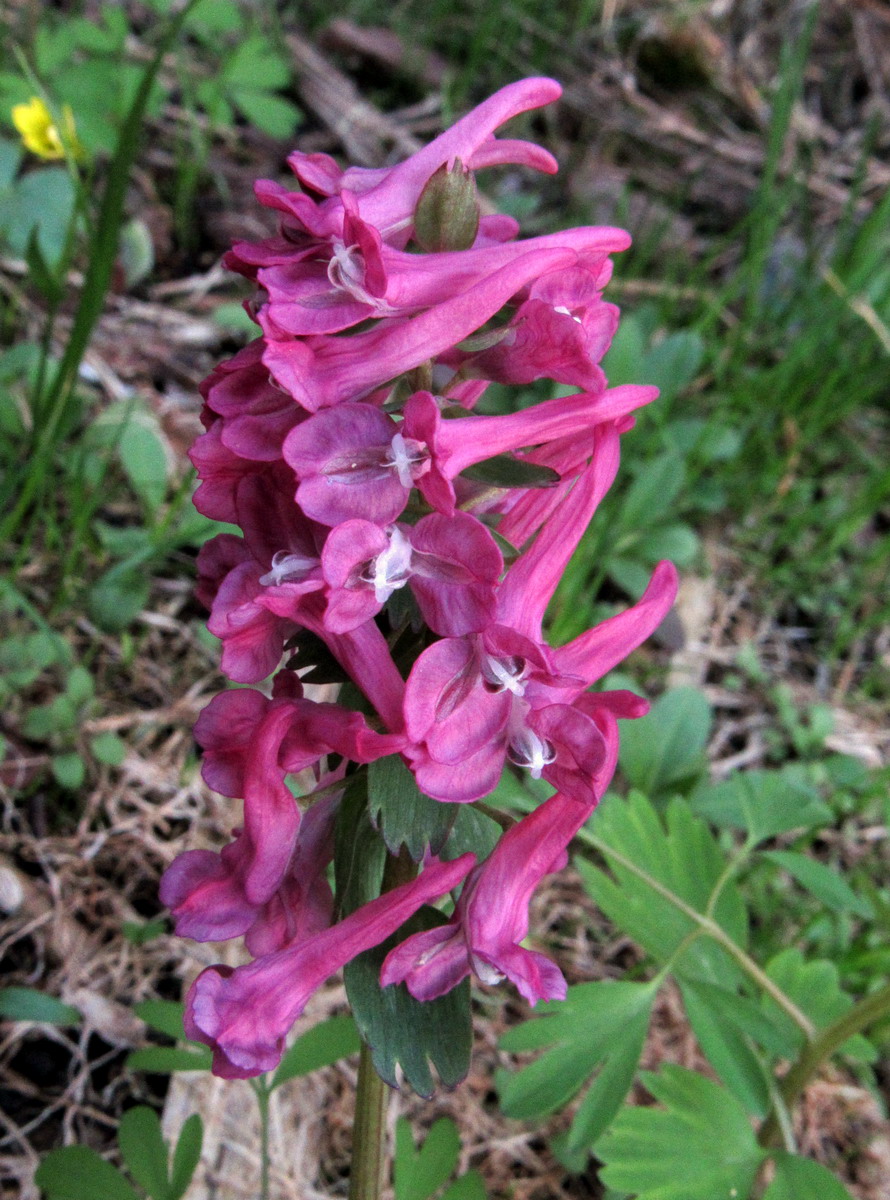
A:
[468, 778]
[245, 1014]
[596, 652]
[447, 704]
[341, 459]
[429, 963]
[534, 975]
[226, 729]
[456, 565]
[204, 893]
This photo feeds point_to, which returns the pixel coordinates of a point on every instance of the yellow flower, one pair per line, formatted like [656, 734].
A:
[40, 133]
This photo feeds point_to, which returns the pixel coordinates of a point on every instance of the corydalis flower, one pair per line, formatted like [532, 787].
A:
[245, 1013]
[396, 538]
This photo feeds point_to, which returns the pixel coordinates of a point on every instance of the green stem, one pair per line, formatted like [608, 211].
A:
[867, 1012]
[369, 1159]
[103, 252]
[709, 926]
[369, 1132]
[263, 1092]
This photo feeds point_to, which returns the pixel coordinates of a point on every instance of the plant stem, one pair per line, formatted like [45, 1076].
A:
[369, 1132]
[869, 1010]
[262, 1095]
[102, 255]
[369, 1158]
[709, 926]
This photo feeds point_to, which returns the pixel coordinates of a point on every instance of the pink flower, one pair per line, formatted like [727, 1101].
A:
[491, 917]
[206, 891]
[250, 744]
[560, 332]
[452, 566]
[355, 462]
[244, 1014]
[322, 371]
[366, 278]
[473, 702]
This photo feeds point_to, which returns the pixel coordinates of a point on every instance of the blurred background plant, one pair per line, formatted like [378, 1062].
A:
[745, 146]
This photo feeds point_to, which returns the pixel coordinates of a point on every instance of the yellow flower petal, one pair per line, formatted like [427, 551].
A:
[41, 135]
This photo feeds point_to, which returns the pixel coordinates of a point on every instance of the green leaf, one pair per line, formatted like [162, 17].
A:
[627, 351]
[10, 157]
[653, 491]
[255, 64]
[118, 596]
[630, 575]
[78, 1173]
[826, 885]
[186, 1156]
[137, 253]
[598, 1027]
[273, 115]
[42, 201]
[40, 273]
[472, 830]
[742, 1014]
[666, 746]
[232, 316]
[815, 988]
[402, 813]
[506, 471]
[468, 1187]
[320, 1046]
[798, 1177]
[166, 1016]
[27, 1004]
[215, 16]
[79, 686]
[69, 770]
[681, 856]
[359, 851]
[420, 1173]
[144, 1151]
[403, 1031]
[763, 803]
[728, 1051]
[677, 542]
[143, 455]
[138, 933]
[108, 748]
[672, 364]
[699, 1146]
[161, 1060]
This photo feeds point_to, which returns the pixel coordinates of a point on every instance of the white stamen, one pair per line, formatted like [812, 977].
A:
[528, 750]
[287, 568]
[506, 674]
[390, 570]
[346, 273]
[485, 971]
[403, 456]
[561, 308]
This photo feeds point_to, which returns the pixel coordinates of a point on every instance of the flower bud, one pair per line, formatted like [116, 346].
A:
[447, 213]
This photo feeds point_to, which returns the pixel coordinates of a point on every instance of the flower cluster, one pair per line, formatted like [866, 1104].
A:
[390, 526]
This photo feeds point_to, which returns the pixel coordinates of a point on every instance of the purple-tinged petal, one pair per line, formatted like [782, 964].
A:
[323, 371]
[595, 653]
[347, 466]
[203, 890]
[429, 963]
[455, 567]
[245, 1014]
[531, 581]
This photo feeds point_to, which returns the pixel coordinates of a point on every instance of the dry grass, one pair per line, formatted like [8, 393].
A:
[70, 879]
